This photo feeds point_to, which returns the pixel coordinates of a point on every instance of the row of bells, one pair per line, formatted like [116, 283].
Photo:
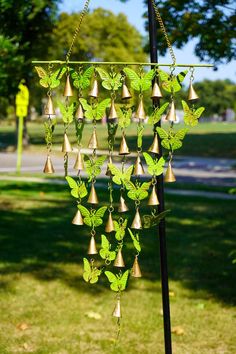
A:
[140, 113]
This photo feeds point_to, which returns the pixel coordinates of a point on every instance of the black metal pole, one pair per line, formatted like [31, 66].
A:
[160, 191]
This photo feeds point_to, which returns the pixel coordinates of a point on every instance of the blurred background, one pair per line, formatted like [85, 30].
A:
[46, 307]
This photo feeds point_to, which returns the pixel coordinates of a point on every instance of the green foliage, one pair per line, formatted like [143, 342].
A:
[49, 129]
[140, 82]
[120, 177]
[118, 281]
[156, 114]
[153, 220]
[82, 80]
[191, 115]
[120, 228]
[78, 189]
[171, 140]
[137, 191]
[135, 239]
[105, 252]
[51, 80]
[91, 273]
[67, 112]
[155, 166]
[111, 80]
[92, 218]
[172, 83]
[95, 111]
[124, 115]
[93, 166]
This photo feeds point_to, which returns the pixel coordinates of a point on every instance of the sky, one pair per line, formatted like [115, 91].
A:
[134, 10]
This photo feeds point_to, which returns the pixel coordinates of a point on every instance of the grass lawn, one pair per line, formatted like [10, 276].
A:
[47, 308]
[207, 139]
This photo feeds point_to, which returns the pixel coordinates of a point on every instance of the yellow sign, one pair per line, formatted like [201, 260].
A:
[22, 101]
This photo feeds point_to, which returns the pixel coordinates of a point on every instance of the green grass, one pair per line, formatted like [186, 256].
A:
[207, 139]
[42, 288]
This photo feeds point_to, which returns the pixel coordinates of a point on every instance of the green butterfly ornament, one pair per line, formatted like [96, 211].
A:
[105, 251]
[93, 166]
[137, 191]
[91, 274]
[78, 189]
[67, 112]
[92, 217]
[82, 80]
[135, 239]
[110, 81]
[155, 166]
[140, 82]
[118, 281]
[95, 111]
[51, 80]
[172, 83]
[191, 115]
[120, 177]
[171, 140]
[120, 229]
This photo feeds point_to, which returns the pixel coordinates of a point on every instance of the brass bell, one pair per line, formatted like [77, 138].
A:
[192, 95]
[109, 225]
[79, 112]
[93, 142]
[108, 171]
[48, 168]
[117, 310]
[79, 162]
[155, 145]
[136, 271]
[119, 261]
[138, 167]
[68, 89]
[78, 220]
[156, 92]
[92, 246]
[122, 208]
[153, 199]
[94, 89]
[112, 112]
[66, 147]
[125, 92]
[171, 115]
[93, 198]
[137, 223]
[49, 109]
[169, 176]
[124, 150]
[140, 114]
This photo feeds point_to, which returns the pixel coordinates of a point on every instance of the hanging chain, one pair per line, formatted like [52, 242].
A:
[83, 13]
[163, 29]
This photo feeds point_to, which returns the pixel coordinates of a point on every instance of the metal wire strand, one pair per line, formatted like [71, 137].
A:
[163, 29]
[77, 30]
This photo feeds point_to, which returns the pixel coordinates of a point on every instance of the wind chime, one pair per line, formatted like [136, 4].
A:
[121, 83]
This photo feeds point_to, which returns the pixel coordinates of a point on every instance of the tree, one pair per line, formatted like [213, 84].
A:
[103, 36]
[212, 23]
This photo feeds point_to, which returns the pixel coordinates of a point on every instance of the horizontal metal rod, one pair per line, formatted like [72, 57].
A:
[121, 63]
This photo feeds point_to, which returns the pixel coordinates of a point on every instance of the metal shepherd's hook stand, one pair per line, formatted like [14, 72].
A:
[160, 191]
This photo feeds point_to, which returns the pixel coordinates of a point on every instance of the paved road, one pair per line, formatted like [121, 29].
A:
[208, 171]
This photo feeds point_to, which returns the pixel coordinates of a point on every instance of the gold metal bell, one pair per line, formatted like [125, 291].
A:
[137, 223]
[92, 246]
[192, 95]
[153, 199]
[108, 172]
[68, 92]
[66, 147]
[155, 145]
[169, 176]
[112, 113]
[117, 310]
[109, 225]
[119, 261]
[94, 89]
[171, 115]
[156, 92]
[136, 271]
[93, 198]
[122, 208]
[138, 167]
[125, 92]
[49, 109]
[140, 114]
[78, 220]
[48, 168]
[79, 162]
[79, 113]
[124, 150]
[93, 142]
